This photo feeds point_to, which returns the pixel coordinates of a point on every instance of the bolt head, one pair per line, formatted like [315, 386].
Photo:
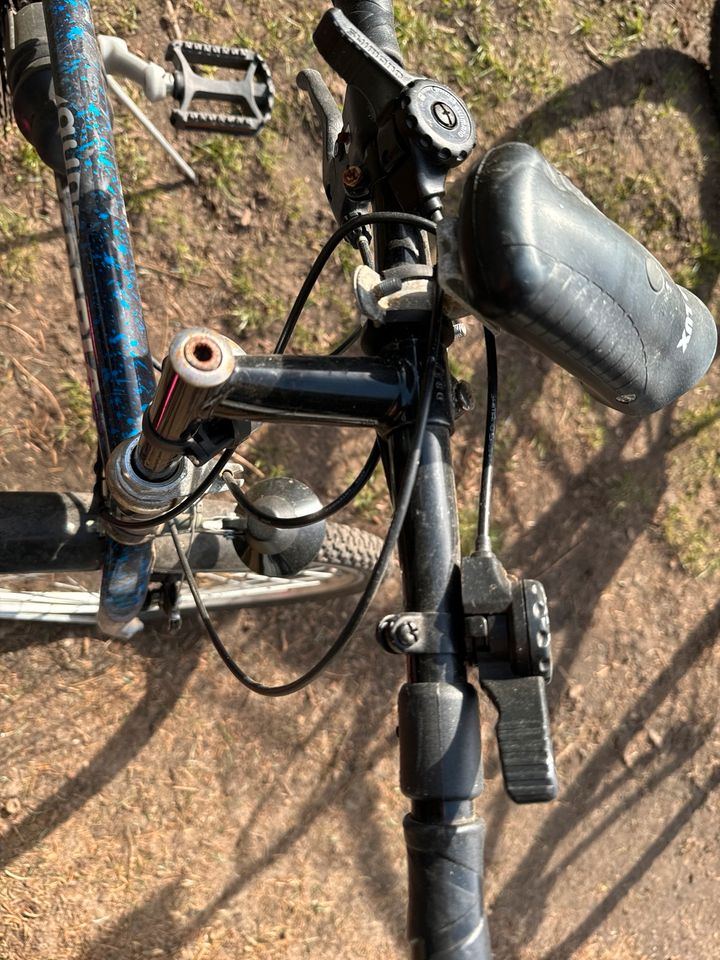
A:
[352, 176]
[405, 634]
[445, 115]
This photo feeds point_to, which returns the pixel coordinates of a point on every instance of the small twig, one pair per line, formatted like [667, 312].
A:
[563, 556]
[239, 458]
[223, 274]
[19, 330]
[176, 275]
[9, 306]
[130, 854]
[48, 393]
[171, 16]
[594, 55]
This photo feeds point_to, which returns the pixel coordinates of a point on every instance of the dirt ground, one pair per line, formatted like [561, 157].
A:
[149, 806]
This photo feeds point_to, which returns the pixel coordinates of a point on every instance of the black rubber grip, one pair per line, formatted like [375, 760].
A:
[446, 914]
[376, 20]
[540, 261]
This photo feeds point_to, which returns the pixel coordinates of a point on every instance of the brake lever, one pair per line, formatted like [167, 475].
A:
[359, 61]
[338, 175]
[422, 128]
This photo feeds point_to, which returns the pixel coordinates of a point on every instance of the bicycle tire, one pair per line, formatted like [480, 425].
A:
[64, 597]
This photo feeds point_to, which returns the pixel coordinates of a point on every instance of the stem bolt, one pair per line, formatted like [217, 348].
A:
[406, 633]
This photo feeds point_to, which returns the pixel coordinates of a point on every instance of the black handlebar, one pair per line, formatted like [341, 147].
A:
[376, 20]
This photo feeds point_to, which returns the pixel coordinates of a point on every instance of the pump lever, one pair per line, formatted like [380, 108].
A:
[508, 633]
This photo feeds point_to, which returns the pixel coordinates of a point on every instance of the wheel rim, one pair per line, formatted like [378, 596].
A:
[66, 602]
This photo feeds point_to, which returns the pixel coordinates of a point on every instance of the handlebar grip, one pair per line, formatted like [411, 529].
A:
[542, 262]
[376, 20]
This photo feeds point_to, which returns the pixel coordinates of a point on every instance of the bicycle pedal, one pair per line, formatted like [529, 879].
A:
[250, 92]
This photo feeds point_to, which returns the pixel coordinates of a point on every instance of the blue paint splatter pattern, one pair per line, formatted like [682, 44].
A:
[108, 269]
[124, 366]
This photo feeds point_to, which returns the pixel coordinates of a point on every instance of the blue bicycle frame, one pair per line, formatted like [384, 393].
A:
[115, 339]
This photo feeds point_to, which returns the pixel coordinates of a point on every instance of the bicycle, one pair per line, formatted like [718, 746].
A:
[456, 614]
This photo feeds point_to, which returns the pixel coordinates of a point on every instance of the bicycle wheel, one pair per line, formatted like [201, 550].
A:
[60, 548]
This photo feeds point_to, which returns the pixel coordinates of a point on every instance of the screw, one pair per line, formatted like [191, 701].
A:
[352, 176]
[405, 634]
[397, 634]
[444, 115]
[462, 395]
[459, 330]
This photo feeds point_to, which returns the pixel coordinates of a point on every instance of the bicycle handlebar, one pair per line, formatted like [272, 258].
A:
[542, 262]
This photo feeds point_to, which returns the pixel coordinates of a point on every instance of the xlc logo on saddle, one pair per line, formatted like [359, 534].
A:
[684, 340]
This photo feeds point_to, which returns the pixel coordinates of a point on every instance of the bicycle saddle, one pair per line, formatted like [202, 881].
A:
[541, 261]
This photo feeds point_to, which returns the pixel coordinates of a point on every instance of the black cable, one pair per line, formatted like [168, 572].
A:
[297, 308]
[347, 342]
[168, 515]
[365, 253]
[483, 544]
[305, 520]
[379, 570]
[381, 216]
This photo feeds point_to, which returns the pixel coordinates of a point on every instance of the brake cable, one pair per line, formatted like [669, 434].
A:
[380, 216]
[381, 565]
[306, 519]
[483, 543]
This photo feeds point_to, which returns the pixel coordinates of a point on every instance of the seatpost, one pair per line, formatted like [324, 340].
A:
[198, 363]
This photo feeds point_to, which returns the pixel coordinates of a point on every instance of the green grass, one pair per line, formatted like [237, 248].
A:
[220, 161]
[630, 492]
[702, 259]
[119, 17]
[693, 540]
[688, 522]
[256, 308]
[17, 246]
[187, 263]
[368, 501]
[79, 422]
